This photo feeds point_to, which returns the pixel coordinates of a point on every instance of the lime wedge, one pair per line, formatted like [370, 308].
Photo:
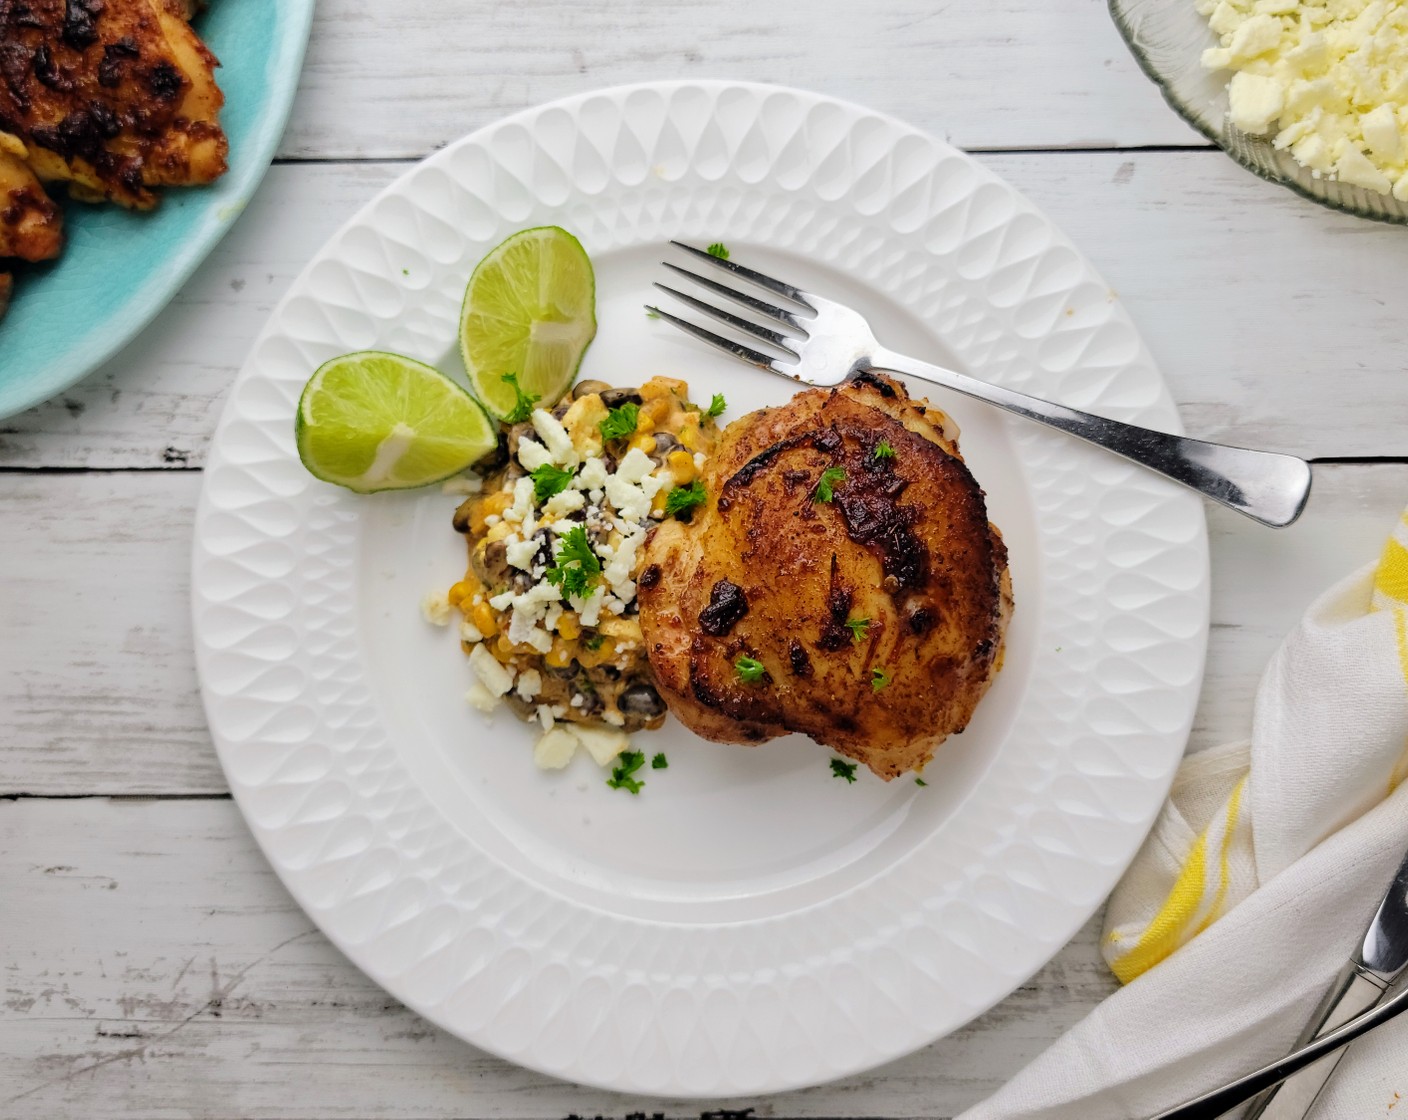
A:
[372, 421]
[529, 310]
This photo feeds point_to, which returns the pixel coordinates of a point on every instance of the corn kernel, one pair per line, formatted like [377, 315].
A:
[658, 387]
[503, 649]
[484, 618]
[569, 626]
[656, 411]
[645, 443]
[681, 466]
[559, 657]
[458, 593]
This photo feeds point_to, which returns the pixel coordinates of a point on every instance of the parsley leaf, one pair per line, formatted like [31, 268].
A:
[920, 782]
[577, 565]
[630, 762]
[522, 403]
[594, 642]
[719, 249]
[549, 480]
[830, 478]
[651, 313]
[620, 422]
[716, 406]
[878, 678]
[680, 502]
[841, 769]
[858, 627]
[883, 450]
[659, 762]
[749, 670]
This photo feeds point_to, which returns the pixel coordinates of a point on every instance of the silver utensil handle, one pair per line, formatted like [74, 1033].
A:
[1355, 990]
[1265, 486]
[1215, 1103]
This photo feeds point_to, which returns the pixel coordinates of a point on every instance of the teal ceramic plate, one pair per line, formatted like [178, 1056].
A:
[120, 268]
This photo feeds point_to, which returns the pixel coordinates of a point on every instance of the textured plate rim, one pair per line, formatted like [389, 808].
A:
[235, 189]
[1157, 784]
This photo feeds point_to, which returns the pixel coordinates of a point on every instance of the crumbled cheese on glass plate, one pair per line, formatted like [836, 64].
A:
[1328, 77]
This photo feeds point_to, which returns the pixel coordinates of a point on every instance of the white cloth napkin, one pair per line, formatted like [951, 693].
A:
[1255, 884]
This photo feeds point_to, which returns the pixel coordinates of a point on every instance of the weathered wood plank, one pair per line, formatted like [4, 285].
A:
[1306, 357]
[1000, 74]
[154, 967]
[98, 692]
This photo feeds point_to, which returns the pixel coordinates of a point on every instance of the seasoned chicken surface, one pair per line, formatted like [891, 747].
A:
[31, 226]
[112, 96]
[7, 284]
[872, 622]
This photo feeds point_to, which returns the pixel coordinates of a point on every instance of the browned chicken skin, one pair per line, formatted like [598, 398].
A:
[113, 96]
[768, 571]
[31, 225]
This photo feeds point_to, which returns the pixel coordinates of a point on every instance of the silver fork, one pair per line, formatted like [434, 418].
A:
[824, 343]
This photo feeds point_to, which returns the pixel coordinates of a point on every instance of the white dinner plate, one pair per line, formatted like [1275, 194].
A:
[749, 923]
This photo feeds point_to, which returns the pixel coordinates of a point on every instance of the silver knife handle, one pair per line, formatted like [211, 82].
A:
[1354, 991]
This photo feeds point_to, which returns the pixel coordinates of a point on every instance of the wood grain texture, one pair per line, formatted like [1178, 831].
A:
[160, 970]
[1228, 277]
[992, 74]
[110, 706]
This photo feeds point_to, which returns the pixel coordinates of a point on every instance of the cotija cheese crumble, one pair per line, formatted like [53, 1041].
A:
[547, 608]
[1329, 78]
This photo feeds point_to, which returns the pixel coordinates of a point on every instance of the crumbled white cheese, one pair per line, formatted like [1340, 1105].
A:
[602, 743]
[1327, 79]
[628, 498]
[520, 553]
[530, 683]
[613, 717]
[588, 609]
[469, 632]
[502, 601]
[492, 520]
[496, 678]
[592, 476]
[544, 714]
[554, 749]
[635, 466]
[555, 438]
[436, 609]
[559, 505]
[699, 460]
[481, 698]
[522, 500]
[533, 454]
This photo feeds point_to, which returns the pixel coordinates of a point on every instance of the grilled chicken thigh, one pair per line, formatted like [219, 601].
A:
[871, 622]
[31, 225]
[113, 97]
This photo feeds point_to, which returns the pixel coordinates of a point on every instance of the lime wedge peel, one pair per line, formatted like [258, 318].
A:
[374, 421]
[529, 309]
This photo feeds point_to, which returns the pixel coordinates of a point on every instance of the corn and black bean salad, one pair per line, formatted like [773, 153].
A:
[548, 604]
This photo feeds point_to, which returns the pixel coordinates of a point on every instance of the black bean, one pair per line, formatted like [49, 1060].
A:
[566, 672]
[615, 398]
[588, 387]
[641, 699]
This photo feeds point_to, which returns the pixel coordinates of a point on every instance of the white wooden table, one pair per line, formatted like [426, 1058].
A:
[152, 964]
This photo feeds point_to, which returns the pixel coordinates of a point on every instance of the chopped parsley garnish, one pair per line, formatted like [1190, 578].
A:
[629, 763]
[620, 422]
[842, 769]
[858, 627]
[920, 782]
[716, 406]
[594, 642]
[883, 450]
[651, 313]
[577, 565]
[749, 670]
[549, 480]
[682, 500]
[878, 678]
[522, 402]
[830, 478]
[719, 249]
[659, 762]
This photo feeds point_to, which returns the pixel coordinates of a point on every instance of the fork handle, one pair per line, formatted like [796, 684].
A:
[1265, 486]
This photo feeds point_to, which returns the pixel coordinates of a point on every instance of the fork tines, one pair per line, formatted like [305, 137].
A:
[780, 340]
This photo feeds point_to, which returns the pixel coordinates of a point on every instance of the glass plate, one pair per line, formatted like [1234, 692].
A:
[1167, 38]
